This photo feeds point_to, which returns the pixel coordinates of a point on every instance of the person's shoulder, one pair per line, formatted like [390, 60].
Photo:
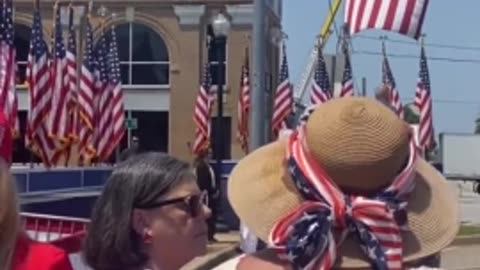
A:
[43, 256]
[266, 259]
[230, 264]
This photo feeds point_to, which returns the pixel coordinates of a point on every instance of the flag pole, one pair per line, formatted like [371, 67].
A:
[54, 50]
[36, 7]
[85, 19]
[80, 54]
[69, 149]
[384, 47]
[422, 40]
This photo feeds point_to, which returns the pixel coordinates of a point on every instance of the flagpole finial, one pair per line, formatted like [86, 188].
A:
[384, 46]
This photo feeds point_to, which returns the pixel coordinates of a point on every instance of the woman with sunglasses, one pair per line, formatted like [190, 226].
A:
[150, 215]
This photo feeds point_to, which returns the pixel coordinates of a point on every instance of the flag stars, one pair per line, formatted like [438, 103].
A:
[291, 256]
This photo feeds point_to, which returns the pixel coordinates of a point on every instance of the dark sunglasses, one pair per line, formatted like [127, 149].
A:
[194, 203]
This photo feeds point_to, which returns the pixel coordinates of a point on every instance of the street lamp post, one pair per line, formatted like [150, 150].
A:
[221, 27]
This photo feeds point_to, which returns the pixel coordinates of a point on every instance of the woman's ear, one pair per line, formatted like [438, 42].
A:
[140, 221]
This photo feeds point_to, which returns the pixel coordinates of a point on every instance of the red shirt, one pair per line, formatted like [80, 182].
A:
[31, 255]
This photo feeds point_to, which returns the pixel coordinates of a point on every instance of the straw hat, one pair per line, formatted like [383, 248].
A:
[362, 145]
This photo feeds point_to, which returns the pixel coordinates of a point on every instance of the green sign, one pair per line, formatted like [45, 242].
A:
[131, 123]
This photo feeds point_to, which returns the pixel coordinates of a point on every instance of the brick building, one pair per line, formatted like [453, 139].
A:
[162, 45]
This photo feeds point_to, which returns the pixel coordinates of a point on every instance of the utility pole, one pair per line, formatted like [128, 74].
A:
[258, 93]
[258, 112]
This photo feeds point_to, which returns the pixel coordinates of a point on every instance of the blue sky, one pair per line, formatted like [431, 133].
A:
[455, 85]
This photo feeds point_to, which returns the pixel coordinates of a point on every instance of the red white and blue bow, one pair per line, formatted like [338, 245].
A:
[306, 236]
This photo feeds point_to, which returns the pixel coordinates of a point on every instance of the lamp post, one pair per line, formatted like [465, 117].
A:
[221, 27]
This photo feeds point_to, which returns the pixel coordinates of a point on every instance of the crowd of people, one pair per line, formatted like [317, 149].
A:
[346, 190]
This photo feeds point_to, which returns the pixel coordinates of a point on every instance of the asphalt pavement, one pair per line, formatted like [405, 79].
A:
[469, 202]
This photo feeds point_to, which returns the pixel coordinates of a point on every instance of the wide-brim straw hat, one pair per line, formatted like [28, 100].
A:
[362, 145]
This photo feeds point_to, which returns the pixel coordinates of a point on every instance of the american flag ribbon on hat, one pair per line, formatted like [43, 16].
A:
[305, 236]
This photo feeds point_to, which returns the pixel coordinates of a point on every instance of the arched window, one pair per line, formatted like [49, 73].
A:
[143, 55]
[22, 46]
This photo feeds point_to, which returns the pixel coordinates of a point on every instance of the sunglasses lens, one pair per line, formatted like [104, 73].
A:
[194, 205]
[197, 202]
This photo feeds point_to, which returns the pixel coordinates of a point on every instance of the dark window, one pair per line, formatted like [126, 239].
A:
[123, 37]
[22, 45]
[143, 55]
[21, 154]
[152, 130]
[147, 45]
[150, 73]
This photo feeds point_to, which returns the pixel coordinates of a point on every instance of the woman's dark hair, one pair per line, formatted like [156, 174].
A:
[112, 243]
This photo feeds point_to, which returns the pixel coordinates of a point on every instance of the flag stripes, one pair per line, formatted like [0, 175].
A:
[402, 16]
[284, 103]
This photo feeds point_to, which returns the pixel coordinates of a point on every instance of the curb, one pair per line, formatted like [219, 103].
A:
[218, 258]
[231, 251]
[466, 240]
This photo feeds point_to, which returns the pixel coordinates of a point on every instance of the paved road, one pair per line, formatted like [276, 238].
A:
[470, 202]
[461, 258]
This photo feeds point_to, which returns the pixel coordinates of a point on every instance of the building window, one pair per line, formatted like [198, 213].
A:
[217, 60]
[143, 55]
[22, 46]
[152, 130]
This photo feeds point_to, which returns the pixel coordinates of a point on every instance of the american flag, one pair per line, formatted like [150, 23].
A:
[72, 98]
[104, 97]
[8, 66]
[401, 16]
[284, 103]
[201, 117]
[118, 112]
[244, 104]
[59, 117]
[321, 89]
[86, 105]
[38, 78]
[423, 101]
[347, 81]
[389, 82]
